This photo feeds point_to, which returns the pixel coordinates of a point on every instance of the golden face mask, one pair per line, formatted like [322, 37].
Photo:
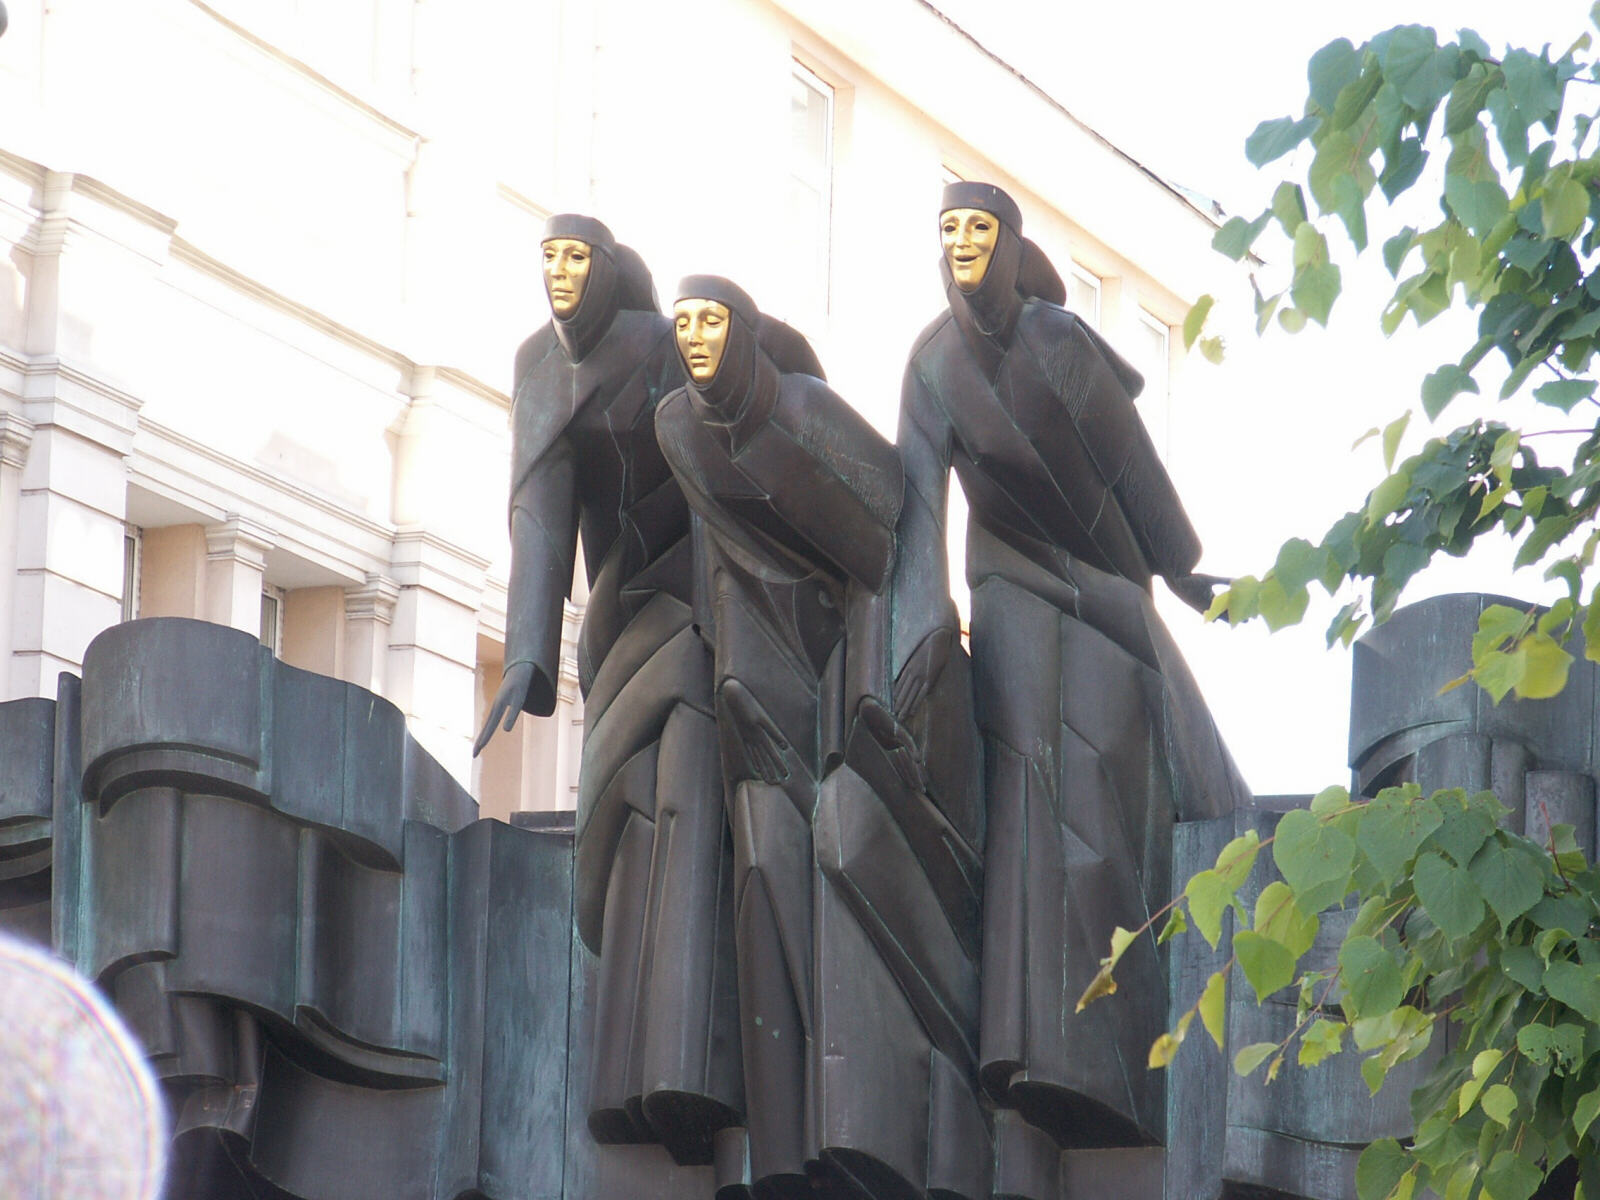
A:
[566, 270]
[968, 236]
[702, 329]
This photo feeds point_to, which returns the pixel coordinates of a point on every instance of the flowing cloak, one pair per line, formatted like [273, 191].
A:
[653, 859]
[1095, 737]
[798, 497]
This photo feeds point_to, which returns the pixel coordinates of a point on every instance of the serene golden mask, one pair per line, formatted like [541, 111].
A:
[566, 270]
[968, 236]
[702, 328]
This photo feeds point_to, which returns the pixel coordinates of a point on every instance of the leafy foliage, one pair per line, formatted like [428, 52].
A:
[1453, 918]
[1516, 241]
[1458, 919]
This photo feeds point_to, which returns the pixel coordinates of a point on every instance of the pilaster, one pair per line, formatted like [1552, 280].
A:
[16, 435]
[433, 644]
[368, 616]
[236, 564]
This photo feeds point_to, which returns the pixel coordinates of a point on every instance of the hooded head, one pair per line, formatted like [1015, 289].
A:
[717, 325]
[582, 278]
[982, 263]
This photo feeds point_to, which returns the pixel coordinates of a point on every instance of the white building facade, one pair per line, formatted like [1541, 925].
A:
[263, 265]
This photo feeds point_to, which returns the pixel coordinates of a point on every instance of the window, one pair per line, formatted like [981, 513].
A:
[1152, 356]
[810, 197]
[1083, 295]
[272, 618]
[132, 555]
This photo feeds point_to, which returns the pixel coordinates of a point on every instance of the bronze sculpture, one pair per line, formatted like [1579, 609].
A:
[653, 854]
[798, 497]
[1095, 739]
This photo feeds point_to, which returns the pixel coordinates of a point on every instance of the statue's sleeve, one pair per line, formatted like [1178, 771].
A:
[920, 592]
[1097, 389]
[829, 476]
[544, 534]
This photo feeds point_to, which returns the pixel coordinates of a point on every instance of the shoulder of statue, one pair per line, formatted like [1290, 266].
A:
[535, 348]
[931, 330]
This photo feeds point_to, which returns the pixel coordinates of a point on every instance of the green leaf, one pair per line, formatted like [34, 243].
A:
[1545, 667]
[1166, 1046]
[1393, 827]
[1355, 96]
[1331, 70]
[1379, 1169]
[1472, 185]
[1195, 321]
[1402, 166]
[1280, 607]
[1422, 72]
[1500, 1102]
[1510, 878]
[1236, 236]
[1274, 139]
[1289, 207]
[1213, 1008]
[1237, 857]
[1212, 349]
[1349, 203]
[1512, 1177]
[1208, 895]
[1532, 85]
[1177, 923]
[1564, 209]
[1468, 823]
[1564, 393]
[1396, 248]
[1467, 98]
[1252, 1056]
[1504, 454]
[1371, 978]
[1498, 624]
[1392, 433]
[1314, 858]
[1278, 917]
[1340, 157]
[1292, 320]
[1388, 496]
[1332, 799]
[1563, 1043]
[1321, 1041]
[1577, 986]
[1103, 984]
[1448, 894]
[1444, 385]
[1522, 964]
[1267, 964]
[1585, 1111]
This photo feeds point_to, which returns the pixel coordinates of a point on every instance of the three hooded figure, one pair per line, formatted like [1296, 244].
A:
[844, 879]
[653, 853]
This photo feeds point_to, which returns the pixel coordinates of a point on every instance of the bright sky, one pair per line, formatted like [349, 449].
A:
[1180, 87]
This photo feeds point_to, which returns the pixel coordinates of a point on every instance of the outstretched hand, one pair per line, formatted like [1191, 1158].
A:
[764, 746]
[1197, 591]
[507, 703]
[922, 670]
[899, 746]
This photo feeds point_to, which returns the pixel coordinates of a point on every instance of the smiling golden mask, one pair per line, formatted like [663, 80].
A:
[702, 330]
[566, 270]
[968, 236]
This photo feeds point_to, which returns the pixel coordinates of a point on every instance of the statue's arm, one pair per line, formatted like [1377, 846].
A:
[544, 533]
[923, 621]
